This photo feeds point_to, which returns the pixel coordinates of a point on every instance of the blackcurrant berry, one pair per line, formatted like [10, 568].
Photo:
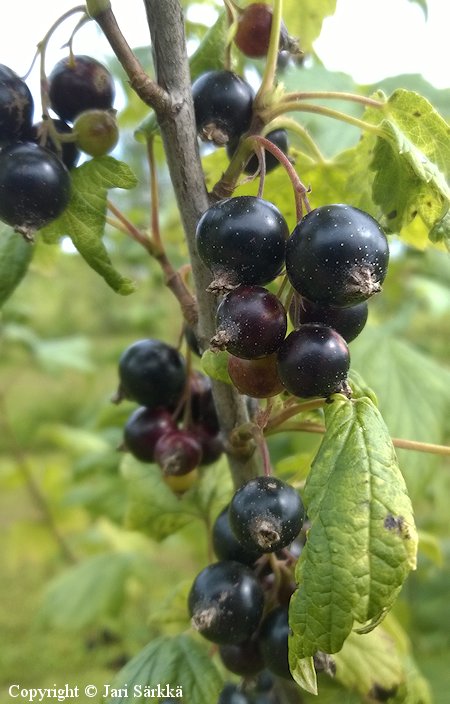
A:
[253, 30]
[152, 373]
[34, 186]
[66, 151]
[273, 641]
[264, 682]
[79, 83]
[348, 322]
[143, 429]
[314, 361]
[242, 240]
[243, 659]
[250, 322]
[266, 514]
[16, 106]
[178, 452]
[277, 137]
[337, 256]
[227, 546]
[211, 443]
[203, 410]
[231, 694]
[257, 378]
[223, 104]
[226, 602]
[96, 131]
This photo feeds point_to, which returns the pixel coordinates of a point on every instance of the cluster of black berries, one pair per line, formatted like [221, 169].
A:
[238, 602]
[176, 424]
[35, 159]
[335, 259]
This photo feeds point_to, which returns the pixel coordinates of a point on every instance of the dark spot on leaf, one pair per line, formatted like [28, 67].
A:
[392, 215]
[380, 694]
[429, 203]
[414, 213]
[417, 114]
[397, 523]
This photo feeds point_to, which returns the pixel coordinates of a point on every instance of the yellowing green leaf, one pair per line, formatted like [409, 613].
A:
[15, 257]
[302, 670]
[84, 218]
[362, 542]
[215, 365]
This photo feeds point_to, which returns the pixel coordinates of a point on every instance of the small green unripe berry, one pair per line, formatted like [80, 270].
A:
[96, 132]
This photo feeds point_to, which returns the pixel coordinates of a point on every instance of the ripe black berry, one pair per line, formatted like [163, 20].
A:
[314, 361]
[16, 106]
[253, 30]
[242, 240]
[250, 322]
[227, 546]
[66, 151]
[210, 442]
[348, 322]
[273, 641]
[223, 104]
[231, 694]
[337, 256]
[143, 429]
[178, 452]
[79, 83]
[34, 186]
[152, 373]
[257, 378]
[226, 602]
[266, 514]
[243, 659]
[277, 137]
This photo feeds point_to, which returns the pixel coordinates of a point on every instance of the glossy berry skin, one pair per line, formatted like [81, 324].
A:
[97, 132]
[348, 322]
[77, 84]
[178, 452]
[257, 378]
[242, 240]
[34, 186]
[251, 322]
[314, 361]
[253, 30]
[144, 428]
[242, 659]
[66, 151]
[266, 514]
[273, 641]
[211, 444]
[337, 256]
[152, 373]
[226, 602]
[225, 544]
[231, 694]
[223, 104]
[16, 106]
[277, 137]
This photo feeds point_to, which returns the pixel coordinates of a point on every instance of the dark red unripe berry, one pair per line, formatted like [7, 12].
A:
[277, 137]
[144, 428]
[223, 104]
[266, 514]
[314, 361]
[178, 452]
[253, 30]
[257, 378]
[251, 322]
[152, 373]
[226, 602]
[348, 322]
[34, 186]
[273, 641]
[16, 106]
[242, 240]
[337, 256]
[210, 442]
[79, 83]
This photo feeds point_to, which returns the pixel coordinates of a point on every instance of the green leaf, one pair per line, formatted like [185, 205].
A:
[430, 546]
[303, 670]
[411, 162]
[362, 542]
[304, 19]
[215, 365]
[15, 257]
[369, 662]
[175, 662]
[440, 232]
[212, 491]
[87, 592]
[84, 218]
[423, 4]
[152, 507]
